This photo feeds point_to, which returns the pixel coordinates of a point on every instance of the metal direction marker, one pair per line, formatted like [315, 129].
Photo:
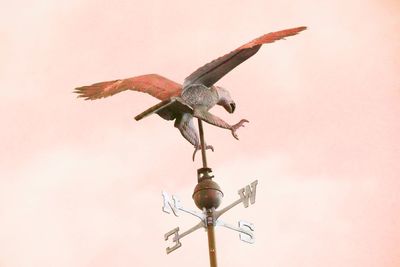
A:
[172, 204]
[184, 103]
[208, 196]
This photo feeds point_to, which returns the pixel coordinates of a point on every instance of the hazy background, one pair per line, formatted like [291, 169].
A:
[80, 182]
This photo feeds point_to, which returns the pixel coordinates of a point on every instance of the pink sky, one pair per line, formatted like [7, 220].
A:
[80, 182]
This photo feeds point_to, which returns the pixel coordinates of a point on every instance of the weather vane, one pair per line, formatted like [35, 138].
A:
[182, 103]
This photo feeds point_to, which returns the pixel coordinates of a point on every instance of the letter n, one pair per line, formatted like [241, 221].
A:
[170, 204]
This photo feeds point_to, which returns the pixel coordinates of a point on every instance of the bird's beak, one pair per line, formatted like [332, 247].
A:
[233, 106]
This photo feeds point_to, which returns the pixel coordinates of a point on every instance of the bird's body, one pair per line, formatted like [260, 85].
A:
[199, 96]
[196, 96]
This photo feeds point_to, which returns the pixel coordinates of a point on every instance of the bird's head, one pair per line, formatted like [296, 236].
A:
[225, 99]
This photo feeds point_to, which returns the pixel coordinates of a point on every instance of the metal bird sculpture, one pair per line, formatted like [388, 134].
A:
[195, 97]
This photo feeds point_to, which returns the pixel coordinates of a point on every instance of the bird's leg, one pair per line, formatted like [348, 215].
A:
[198, 147]
[188, 131]
[214, 120]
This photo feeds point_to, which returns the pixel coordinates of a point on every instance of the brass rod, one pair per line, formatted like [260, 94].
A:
[202, 143]
[210, 214]
[211, 245]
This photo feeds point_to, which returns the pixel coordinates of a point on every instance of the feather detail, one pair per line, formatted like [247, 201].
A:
[153, 84]
[213, 71]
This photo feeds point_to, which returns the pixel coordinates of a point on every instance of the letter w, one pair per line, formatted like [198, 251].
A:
[248, 193]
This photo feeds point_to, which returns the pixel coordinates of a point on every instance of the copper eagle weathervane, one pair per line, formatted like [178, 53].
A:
[195, 97]
[182, 103]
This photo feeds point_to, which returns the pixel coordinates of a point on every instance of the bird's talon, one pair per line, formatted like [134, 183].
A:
[199, 148]
[235, 134]
[237, 126]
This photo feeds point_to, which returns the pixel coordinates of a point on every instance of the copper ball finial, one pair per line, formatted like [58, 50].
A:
[207, 194]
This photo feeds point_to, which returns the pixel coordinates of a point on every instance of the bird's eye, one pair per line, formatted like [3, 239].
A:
[233, 106]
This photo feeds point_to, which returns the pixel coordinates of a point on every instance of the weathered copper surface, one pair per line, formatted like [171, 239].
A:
[210, 218]
[182, 103]
[197, 92]
[207, 195]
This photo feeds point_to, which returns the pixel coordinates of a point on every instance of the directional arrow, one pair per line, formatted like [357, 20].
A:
[172, 204]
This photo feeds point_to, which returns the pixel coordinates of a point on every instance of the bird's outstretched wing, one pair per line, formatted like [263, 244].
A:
[210, 73]
[153, 84]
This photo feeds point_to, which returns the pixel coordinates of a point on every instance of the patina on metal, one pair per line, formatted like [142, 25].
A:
[212, 248]
[196, 96]
[172, 205]
[183, 103]
[203, 151]
[208, 196]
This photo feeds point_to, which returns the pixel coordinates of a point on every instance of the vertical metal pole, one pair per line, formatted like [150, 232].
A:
[210, 214]
[211, 240]
[203, 145]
